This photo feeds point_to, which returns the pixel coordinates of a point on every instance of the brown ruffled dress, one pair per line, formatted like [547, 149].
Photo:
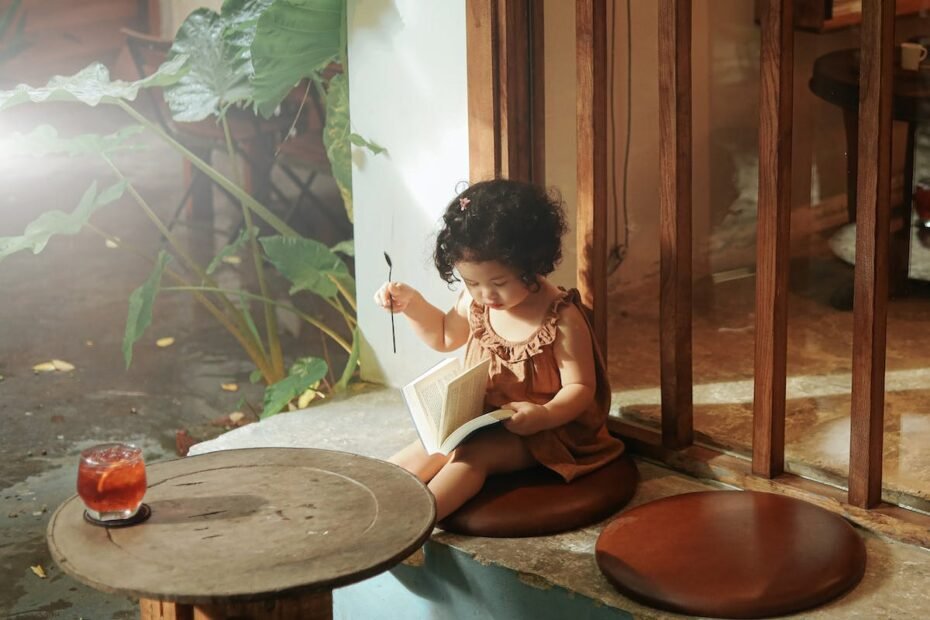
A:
[528, 371]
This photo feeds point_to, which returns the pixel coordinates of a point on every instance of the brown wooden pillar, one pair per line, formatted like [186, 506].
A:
[484, 135]
[870, 300]
[591, 116]
[675, 221]
[772, 237]
[506, 114]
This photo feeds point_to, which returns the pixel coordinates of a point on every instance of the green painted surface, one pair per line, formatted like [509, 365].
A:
[451, 585]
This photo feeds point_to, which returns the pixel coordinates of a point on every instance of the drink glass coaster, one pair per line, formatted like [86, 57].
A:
[141, 515]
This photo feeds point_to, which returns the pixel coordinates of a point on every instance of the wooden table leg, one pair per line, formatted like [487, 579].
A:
[312, 606]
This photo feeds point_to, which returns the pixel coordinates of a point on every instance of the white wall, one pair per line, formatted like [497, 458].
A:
[407, 78]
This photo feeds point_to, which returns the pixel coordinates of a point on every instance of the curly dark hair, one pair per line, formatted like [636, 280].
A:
[512, 222]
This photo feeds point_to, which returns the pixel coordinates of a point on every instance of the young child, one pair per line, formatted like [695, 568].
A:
[502, 238]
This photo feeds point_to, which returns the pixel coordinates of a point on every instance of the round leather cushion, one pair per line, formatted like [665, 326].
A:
[537, 502]
[731, 554]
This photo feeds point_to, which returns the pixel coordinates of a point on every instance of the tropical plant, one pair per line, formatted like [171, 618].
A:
[250, 54]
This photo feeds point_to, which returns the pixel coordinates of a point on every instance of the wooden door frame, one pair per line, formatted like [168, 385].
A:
[506, 102]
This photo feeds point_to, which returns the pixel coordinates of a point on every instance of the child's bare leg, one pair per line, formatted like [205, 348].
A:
[414, 459]
[493, 452]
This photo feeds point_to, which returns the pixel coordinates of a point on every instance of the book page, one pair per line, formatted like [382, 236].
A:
[430, 390]
[464, 399]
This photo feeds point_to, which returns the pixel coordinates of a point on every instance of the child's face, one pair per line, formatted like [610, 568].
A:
[493, 284]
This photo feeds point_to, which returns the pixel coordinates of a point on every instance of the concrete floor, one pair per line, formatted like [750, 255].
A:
[70, 303]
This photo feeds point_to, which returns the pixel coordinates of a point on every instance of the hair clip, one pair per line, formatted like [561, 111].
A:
[463, 203]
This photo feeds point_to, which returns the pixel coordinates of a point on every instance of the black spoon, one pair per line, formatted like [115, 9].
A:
[390, 268]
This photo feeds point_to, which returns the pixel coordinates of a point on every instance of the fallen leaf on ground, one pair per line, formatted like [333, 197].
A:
[230, 387]
[236, 416]
[39, 571]
[231, 260]
[52, 366]
[164, 342]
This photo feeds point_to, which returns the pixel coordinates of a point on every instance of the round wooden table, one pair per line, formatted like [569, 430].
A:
[257, 533]
[835, 79]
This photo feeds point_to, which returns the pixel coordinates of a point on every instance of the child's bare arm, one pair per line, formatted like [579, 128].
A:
[443, 331]
[574, 354]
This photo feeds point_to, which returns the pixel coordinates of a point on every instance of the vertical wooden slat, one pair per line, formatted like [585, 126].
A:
[591, 115]
[675, 220]
[484, 148]
[870, 300]
[772, 237]
[515, 79]
[537, 92]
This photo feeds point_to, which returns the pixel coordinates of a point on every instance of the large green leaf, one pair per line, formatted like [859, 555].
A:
[218, 75]
[336, 137]
[38, 232]
[303, 375]
[140, 306]
[44, 140]
[92, 86]
[346, 247]
[294, 39]
[242, 18]
[308, 264]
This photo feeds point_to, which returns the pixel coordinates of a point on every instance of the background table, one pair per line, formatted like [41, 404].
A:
[259, 533]
[836, 79]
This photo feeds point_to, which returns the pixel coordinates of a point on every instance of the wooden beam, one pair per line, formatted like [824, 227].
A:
[870, 298]
[484, 131]
[773, 237]
[537, 92]
[675, 221]
[591, 115]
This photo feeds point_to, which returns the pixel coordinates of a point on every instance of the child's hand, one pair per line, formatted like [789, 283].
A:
[529, 418]
[395, 296]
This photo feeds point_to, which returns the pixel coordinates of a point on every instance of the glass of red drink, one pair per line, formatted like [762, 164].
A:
[111, 481]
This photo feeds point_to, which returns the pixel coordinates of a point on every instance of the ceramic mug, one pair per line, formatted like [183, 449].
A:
[911, 56]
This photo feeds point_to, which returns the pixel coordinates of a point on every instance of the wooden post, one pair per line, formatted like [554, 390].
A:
[505, 91]
[870, 299]
[484, 129]
[591, 115]
[675, 221]
[537, 92]
[772, 237]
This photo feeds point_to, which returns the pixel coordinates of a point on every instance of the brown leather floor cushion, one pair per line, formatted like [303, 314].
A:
[731, 554]
[537, 502]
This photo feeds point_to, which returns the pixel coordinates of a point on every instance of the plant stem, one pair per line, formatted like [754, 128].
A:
[309, 319]
[271, 321]
[191, 263]
[260, 210]
[257, 357]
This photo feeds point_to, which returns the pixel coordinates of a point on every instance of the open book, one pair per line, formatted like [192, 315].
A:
[446, 404]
